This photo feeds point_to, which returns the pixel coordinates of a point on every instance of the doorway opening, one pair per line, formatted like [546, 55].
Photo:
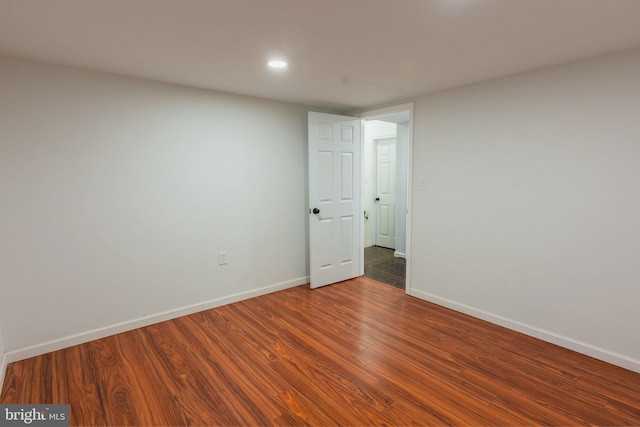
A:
[385, 194]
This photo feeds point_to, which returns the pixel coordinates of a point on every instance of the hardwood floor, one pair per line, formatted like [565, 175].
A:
[355, 353]
[381, 265]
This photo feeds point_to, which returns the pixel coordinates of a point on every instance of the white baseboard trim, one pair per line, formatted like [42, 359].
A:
[83, 337]
[3, 369]
[566, 342]
[399, 254]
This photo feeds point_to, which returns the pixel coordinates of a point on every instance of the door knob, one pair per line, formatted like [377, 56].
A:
[377, 199]
[316, 211]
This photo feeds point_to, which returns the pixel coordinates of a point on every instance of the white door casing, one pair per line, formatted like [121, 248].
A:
[408, 156]
[385, 151]
[334, 193]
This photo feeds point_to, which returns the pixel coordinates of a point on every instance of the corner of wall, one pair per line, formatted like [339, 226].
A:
[3, 370]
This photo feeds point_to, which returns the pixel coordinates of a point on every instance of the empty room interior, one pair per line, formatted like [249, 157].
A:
[190, 230]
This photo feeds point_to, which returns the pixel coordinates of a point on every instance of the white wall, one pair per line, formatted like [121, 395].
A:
[117, 195]
[531, 216]
[373, 129]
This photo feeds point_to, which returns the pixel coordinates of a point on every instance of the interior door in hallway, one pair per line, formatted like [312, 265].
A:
[385, 193]
[335, 215]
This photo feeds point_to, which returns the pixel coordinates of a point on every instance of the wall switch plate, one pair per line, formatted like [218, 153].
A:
[422, 184]
[222, 258]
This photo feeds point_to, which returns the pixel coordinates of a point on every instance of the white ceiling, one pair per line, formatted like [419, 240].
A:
[343, 54]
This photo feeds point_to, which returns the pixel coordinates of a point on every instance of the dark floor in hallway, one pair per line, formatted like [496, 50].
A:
[381, 265]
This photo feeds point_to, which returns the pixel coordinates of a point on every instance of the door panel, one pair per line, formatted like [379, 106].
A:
[325, 246]
[347, 245]
[346, 178]
[325, 178]
[384, 221]
[334, 190]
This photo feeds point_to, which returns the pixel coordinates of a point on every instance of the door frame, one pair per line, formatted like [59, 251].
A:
[370, 115]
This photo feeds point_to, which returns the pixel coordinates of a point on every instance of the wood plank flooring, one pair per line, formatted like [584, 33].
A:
[355, 353]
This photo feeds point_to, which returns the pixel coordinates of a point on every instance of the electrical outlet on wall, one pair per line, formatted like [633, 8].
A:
[222, 258]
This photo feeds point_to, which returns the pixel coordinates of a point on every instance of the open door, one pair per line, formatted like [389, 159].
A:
[335, 222]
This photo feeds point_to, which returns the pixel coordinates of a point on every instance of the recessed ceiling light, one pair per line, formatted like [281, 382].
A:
[277, 63]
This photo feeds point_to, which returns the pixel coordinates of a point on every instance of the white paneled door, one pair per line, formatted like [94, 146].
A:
[335, 215]
[386, 193]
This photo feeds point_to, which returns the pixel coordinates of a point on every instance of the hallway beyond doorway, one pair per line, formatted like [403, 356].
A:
[381, 265]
